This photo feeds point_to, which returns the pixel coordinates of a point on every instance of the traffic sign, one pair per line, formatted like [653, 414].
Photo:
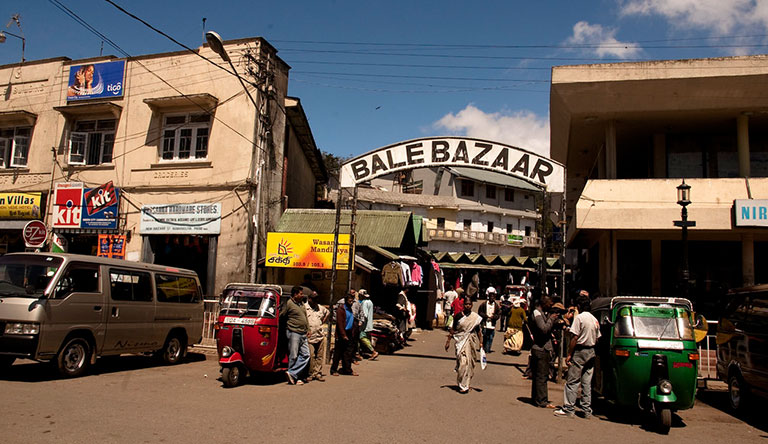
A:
[35, 234]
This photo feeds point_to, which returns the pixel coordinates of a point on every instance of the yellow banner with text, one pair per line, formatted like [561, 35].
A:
[20, 205]
[306, 250]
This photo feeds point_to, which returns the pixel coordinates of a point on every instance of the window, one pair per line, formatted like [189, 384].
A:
[14, 146]
[509, 228]
[509, 195]
[467, 188]
[490, 191]
[467, 224]
[441, 223]
[178, 289]
[186, 137]
[79, 277]
[92, 142]
[130, 285]
[490, 227]
[527, 231]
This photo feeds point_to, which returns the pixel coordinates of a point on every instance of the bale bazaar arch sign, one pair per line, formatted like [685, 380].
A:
[455, 151]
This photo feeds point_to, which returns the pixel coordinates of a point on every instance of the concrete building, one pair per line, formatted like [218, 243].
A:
[628, 134]
[464, 210]
[175, 136]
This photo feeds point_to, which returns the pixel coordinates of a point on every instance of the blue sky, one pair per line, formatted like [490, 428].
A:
[371, 74]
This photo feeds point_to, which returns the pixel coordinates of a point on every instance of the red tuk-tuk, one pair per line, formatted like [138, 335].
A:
[249, 334]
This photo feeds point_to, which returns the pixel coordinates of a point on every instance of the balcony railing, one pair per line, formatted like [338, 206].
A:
[483, 237]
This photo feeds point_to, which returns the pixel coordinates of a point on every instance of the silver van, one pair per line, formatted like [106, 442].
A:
[71, 309]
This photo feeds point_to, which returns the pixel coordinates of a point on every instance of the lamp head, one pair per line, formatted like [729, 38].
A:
[217, 44]
[2, 37]
[683, 194]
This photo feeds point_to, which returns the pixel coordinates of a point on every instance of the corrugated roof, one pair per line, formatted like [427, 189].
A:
[379, 228]
[494, 178]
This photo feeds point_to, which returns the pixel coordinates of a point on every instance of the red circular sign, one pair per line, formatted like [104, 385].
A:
[35, 234]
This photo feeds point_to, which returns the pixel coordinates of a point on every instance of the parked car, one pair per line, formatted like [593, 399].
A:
[742, 345]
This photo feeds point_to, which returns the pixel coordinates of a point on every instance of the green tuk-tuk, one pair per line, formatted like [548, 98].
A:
[647, 355]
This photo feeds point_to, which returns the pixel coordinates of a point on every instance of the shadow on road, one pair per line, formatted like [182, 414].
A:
[28, 371]
[520, 367]
[718, 399]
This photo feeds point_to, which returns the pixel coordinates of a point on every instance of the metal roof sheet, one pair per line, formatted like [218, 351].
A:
[379, 228]
[493, 178]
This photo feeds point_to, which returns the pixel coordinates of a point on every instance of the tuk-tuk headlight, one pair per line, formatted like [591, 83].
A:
[21, 328]
[226, 352]
[665, 387]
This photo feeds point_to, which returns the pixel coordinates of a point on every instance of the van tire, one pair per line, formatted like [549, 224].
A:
[74, 357]
[738, 392]
[174, 349]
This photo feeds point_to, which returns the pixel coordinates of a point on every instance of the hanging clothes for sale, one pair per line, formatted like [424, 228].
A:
[406, 270]
[392, 274]
[416, 277]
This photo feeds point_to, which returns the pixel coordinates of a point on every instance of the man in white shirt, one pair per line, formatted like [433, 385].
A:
[581, 360]
[490, 312]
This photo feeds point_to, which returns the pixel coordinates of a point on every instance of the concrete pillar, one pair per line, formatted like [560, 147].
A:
[742, 143]
[748, 259]
[610, 149]
[614, 266]
[608, 264]
[660, 155]
[656, 267]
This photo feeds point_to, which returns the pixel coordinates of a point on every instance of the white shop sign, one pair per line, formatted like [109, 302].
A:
[750, 212]
[200, 218]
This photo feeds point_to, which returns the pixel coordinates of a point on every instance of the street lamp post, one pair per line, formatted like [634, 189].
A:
[217, 45]
[684, 199]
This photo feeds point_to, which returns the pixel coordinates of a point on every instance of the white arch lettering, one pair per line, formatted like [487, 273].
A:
[455, 151]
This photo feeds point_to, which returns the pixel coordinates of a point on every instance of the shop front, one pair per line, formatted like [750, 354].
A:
[184, 236]
[16, 210]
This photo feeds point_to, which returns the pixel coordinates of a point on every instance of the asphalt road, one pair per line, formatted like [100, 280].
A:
[406, 397]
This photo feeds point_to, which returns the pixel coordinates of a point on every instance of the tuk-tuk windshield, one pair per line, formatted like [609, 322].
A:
[256, 303]
[654, 322]
[26, 276]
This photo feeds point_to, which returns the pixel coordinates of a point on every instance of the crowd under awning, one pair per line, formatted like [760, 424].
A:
[478, 261]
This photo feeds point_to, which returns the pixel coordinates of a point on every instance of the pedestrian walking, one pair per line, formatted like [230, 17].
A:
[297, 327]
[489, 312]
[317, 316]
[367, 327]
[346, 338]
[514, 336]
[467, 334]
[581, 359]
[541, 352]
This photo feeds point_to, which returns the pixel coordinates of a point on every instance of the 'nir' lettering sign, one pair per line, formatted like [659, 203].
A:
[455, 151]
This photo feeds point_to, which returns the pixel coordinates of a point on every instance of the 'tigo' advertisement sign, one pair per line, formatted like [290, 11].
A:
[96, 80]
[77, 207]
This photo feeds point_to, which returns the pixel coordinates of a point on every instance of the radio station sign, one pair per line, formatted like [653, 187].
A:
[306, 250]
[20, 205]
[200, 218]
[96, 80]
[750, 212]
[455, 151]
[77, 207]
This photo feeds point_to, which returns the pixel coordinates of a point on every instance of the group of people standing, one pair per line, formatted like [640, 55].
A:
[473, 330]
[307, 332]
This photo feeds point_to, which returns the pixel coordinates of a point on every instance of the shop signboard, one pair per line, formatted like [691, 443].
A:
[197, 218]
[750, 212]
[96, 80]
[20, 205]
[112, 245]
[67, 205]
[306, 250]
[77, 207]
[35, 233]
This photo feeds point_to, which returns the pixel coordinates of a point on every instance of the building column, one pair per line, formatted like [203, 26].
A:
[608, 265]
[660, 155]
[656, 267]
[748, 259]
[610, 149]
[742, 143]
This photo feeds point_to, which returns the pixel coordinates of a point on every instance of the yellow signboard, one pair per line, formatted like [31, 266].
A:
[20, 205]
[306, 250]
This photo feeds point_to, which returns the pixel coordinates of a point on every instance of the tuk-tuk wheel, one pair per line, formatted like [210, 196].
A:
[231, 376]
[665, 419]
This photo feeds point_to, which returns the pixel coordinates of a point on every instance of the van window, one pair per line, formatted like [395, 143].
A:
[180, 289]
[128, 285]
[79, 277]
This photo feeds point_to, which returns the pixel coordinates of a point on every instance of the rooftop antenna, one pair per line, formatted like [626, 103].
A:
[204, 19]
[101, 50]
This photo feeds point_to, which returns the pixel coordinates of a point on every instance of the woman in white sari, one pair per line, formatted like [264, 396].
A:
[468, 336]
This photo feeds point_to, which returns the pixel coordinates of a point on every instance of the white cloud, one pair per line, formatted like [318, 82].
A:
[522, 129]
[602, 41]
[720, 16]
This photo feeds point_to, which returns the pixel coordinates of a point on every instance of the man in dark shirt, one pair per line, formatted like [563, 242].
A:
[541, 351]
[296, 332]
[346, 337]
